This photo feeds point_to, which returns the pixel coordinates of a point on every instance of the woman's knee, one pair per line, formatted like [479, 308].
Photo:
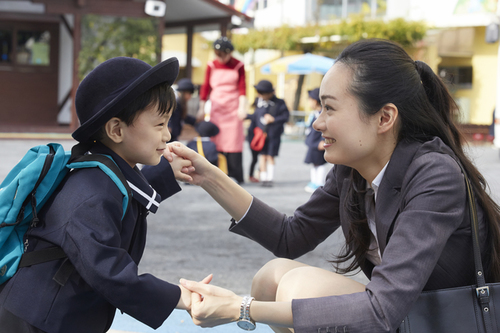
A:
[309, 282]
[266, 280]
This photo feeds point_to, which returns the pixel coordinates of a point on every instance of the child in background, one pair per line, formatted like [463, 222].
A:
[180, 116]
[315, 142]
[270, 116]
[255, 153]
[203, 143]
[123, 106]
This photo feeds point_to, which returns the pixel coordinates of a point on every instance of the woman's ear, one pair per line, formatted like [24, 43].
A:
[114, 129]
[388, 118]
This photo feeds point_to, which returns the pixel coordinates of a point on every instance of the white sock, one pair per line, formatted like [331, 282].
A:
[313, 174]
[263, 176]
[270, 172]
[320, 175]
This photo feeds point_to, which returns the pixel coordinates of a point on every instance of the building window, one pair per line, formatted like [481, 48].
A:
[33, 48]
[5, 46]
[456, 77]
[336, 9]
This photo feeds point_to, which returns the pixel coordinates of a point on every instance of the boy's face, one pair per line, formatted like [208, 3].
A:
[144, 141]
[266, 95]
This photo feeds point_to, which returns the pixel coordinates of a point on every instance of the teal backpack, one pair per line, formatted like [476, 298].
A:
[27, 188]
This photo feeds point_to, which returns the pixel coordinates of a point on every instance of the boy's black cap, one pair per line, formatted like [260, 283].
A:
[185, 84]
[206, 128]
[264, 86]
[112, 85]
[314, 94]
[223, 44]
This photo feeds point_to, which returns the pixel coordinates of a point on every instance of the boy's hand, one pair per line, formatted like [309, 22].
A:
[212, 306]
[268, 118]
[185, 299]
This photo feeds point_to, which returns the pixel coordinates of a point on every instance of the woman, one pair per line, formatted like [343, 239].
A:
[225, 86]
[396, 190]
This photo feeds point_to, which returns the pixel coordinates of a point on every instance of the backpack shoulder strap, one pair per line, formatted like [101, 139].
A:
[109, 167]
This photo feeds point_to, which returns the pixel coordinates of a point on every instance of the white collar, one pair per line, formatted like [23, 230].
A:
[376, 182]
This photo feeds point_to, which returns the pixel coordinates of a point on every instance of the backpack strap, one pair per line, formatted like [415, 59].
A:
[109, 167]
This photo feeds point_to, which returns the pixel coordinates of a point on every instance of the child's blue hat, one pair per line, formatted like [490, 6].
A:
[206, 129]
[112, 85]
[314, 94]
[264, 86]
[185, 84]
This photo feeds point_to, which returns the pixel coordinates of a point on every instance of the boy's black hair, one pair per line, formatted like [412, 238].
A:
[162, 95]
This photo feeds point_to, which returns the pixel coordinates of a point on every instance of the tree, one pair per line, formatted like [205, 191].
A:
[286, 38]
[105, 37]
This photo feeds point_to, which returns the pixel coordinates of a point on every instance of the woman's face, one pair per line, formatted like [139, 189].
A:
[222, 57]
[350, 136]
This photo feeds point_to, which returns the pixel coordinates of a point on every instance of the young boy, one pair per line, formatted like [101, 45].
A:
[123, 106]
[180, 116]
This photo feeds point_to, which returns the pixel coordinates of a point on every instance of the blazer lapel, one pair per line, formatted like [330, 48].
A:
[389, 193]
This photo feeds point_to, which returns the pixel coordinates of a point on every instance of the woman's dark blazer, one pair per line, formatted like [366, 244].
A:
[423, 231]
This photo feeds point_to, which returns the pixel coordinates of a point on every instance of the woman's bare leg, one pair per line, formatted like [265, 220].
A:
[265, 282]
[284, 280]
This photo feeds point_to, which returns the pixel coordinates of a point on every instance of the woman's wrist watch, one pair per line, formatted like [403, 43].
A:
[244, 321]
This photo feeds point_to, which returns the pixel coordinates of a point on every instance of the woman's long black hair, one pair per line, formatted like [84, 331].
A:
[382, 72]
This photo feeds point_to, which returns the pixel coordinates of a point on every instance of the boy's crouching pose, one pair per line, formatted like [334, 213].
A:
[123, 106]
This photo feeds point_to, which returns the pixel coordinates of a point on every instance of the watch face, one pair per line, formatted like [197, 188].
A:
[246, 325]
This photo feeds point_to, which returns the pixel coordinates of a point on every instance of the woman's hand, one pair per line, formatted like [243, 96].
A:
[212, 306]
[180, 166]
[185, 299]
[200, 169]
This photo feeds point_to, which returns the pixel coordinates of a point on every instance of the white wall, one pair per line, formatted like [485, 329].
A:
[438, 13]
[279, 12]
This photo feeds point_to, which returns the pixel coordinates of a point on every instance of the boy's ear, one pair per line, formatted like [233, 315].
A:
[388, 117]
[114, 129]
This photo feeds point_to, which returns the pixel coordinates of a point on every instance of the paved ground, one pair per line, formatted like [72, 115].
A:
[188, 236]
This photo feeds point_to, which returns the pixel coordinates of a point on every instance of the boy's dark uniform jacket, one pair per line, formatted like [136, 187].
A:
[278, 109]
[423, 230]
[84, 217]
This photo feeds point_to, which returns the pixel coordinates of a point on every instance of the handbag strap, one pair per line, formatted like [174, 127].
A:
[482, 290]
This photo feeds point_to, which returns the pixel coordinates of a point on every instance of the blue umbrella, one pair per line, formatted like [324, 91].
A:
[299, 64]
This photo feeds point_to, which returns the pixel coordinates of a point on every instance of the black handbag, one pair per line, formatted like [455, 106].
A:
[463, 309]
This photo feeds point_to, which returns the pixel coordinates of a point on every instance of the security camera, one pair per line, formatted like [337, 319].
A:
[155, 8]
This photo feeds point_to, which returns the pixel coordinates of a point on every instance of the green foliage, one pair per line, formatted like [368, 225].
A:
[105, 37]
[355, 28]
